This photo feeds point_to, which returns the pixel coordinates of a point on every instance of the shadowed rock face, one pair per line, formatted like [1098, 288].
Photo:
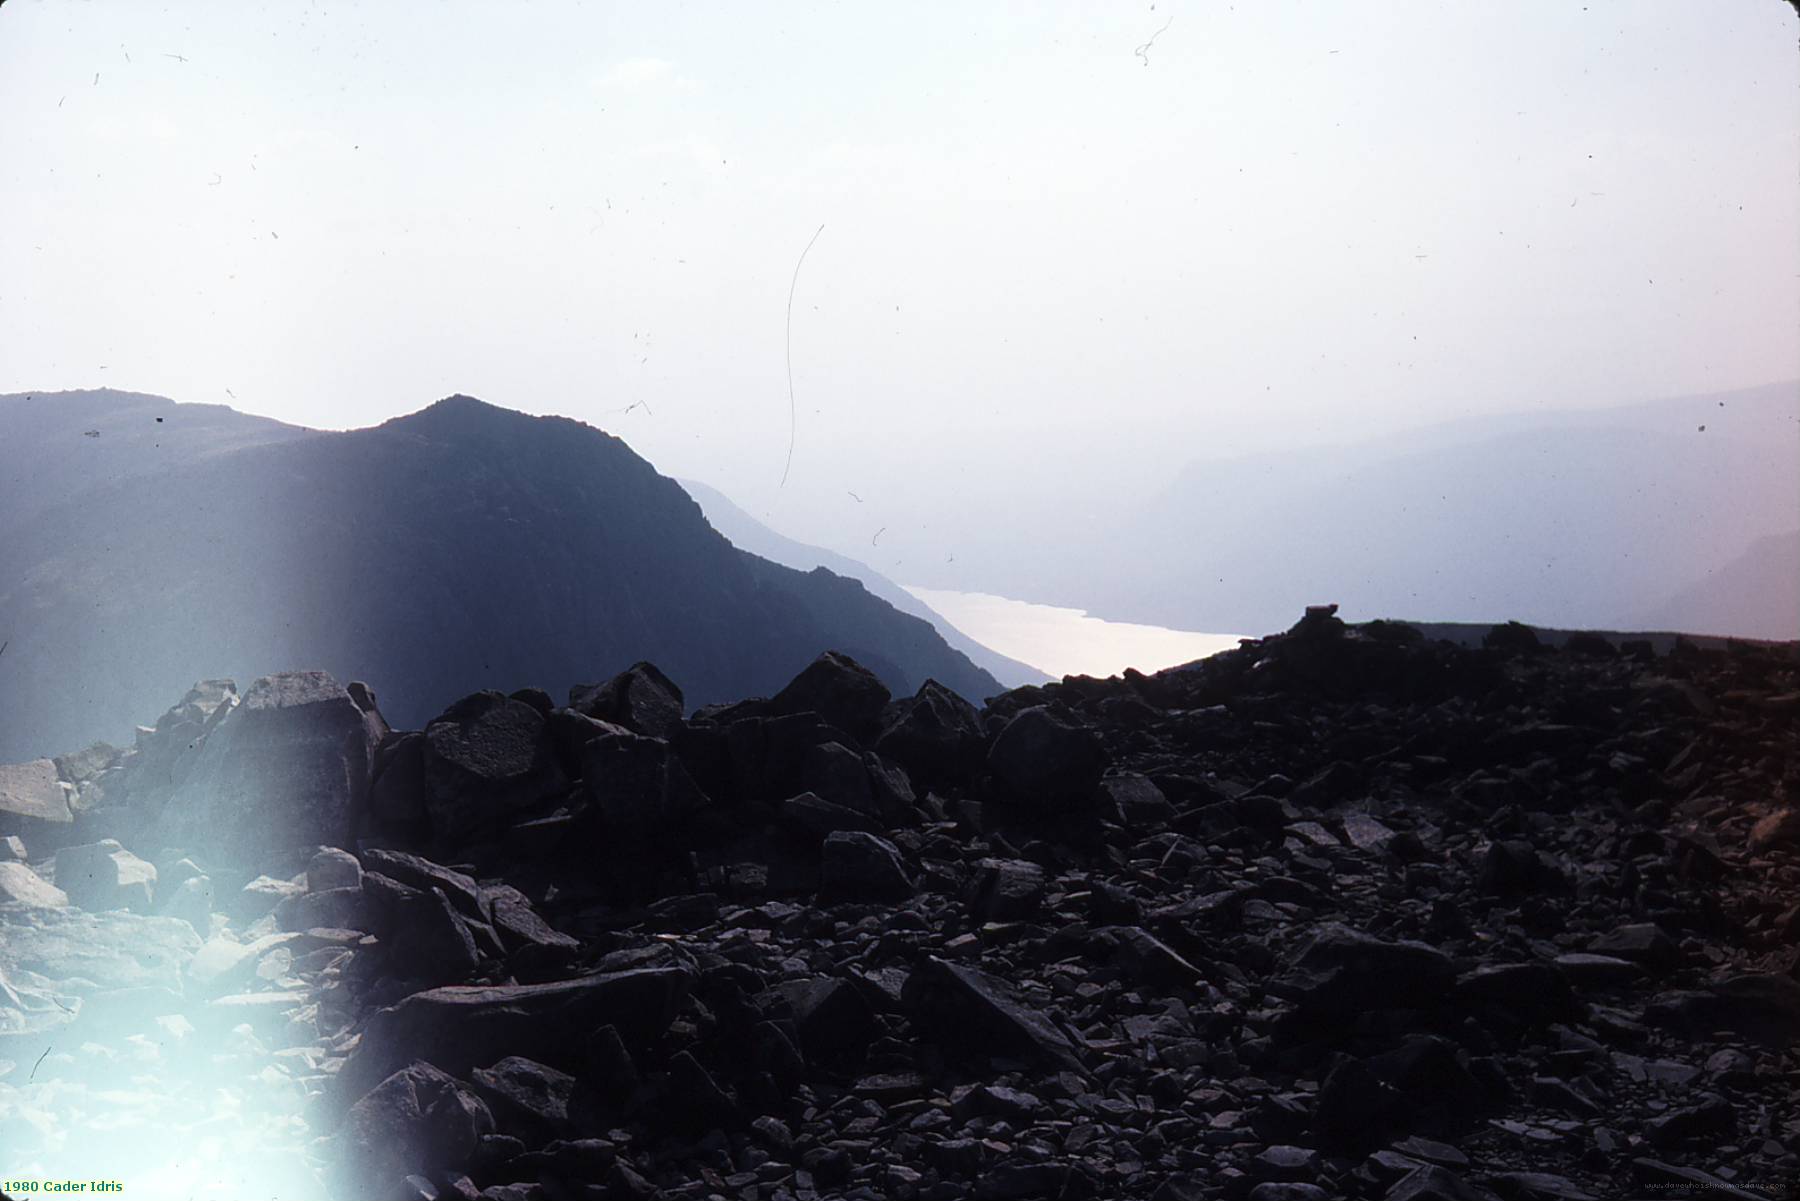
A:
[461, 547]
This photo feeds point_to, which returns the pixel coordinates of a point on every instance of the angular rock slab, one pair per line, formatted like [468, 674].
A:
[838, 689]
[104, 875]
[966, 1006]
[640, 698]
[287, 768]
[1341, 970]
[31, 792]
[1048, 761]
[20, 885]
[462, 1027]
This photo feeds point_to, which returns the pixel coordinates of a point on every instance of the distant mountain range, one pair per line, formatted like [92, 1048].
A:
[148, 544]
[1679, 513]
[747, 533]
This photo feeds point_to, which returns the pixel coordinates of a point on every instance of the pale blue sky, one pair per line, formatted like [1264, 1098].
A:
[1281, 221]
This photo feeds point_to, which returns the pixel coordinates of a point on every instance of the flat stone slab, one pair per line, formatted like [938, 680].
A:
[19, 884]
[32, 790]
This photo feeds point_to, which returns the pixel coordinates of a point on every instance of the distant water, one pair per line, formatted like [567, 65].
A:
[1062, 642]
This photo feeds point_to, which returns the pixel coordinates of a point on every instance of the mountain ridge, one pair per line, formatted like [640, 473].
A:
[457, 543]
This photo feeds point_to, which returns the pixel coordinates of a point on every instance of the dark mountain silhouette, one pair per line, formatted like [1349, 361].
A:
[747, 533]
[461, 547]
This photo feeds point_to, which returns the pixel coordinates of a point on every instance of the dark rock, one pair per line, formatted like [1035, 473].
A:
[1022, 1181]
[1761, 1005]
[610, 1069]
[1521, 989]
[1285, 1163]
[1005, 890]
[1047, 760]
[430, 942]
[1658, 1174]
[415, 871]
[1710, 1119]
[460, 1027]
[1597, 971]
[518, 923]
[971, 1010]
[638, 785]
[1137, 802]
[1512, 638]
[640, 698]
[1436, 1078]
[1146, 959]
[837, 774]
[697, 1098]
[838, 689]
[417, 1117]
[1341, 970]
[859, 865]
[1276, 1190]
[1356, 1108]
[831, 1017]
[487, 760]
[813, 817]
[1515, 867]
[1432, 1183]
[1643, 943]
[935, 734]
[397, 789]
[528, 1096]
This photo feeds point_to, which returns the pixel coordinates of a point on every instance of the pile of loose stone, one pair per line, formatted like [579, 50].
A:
[1343, 913]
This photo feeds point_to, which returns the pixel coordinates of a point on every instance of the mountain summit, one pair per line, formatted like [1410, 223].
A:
[149, 544]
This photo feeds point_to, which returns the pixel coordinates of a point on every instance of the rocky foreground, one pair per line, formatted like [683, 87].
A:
[1343, 913]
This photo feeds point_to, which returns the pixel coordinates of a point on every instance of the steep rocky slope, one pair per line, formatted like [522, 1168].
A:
[1344, 913]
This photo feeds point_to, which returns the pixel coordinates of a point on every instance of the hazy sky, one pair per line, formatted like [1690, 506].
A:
[1054, 235]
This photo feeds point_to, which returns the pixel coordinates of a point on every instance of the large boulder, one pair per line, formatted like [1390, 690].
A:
[287, 768]
[418, 1118]
[637, 784]
[640, 698]
[32, 797]
[104, 875]
[969, 1009]
[486, 760]
[1344, 971]
[838, 689]
[935, 734]
[21, 885]
[860, 866]
[1047, 760]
